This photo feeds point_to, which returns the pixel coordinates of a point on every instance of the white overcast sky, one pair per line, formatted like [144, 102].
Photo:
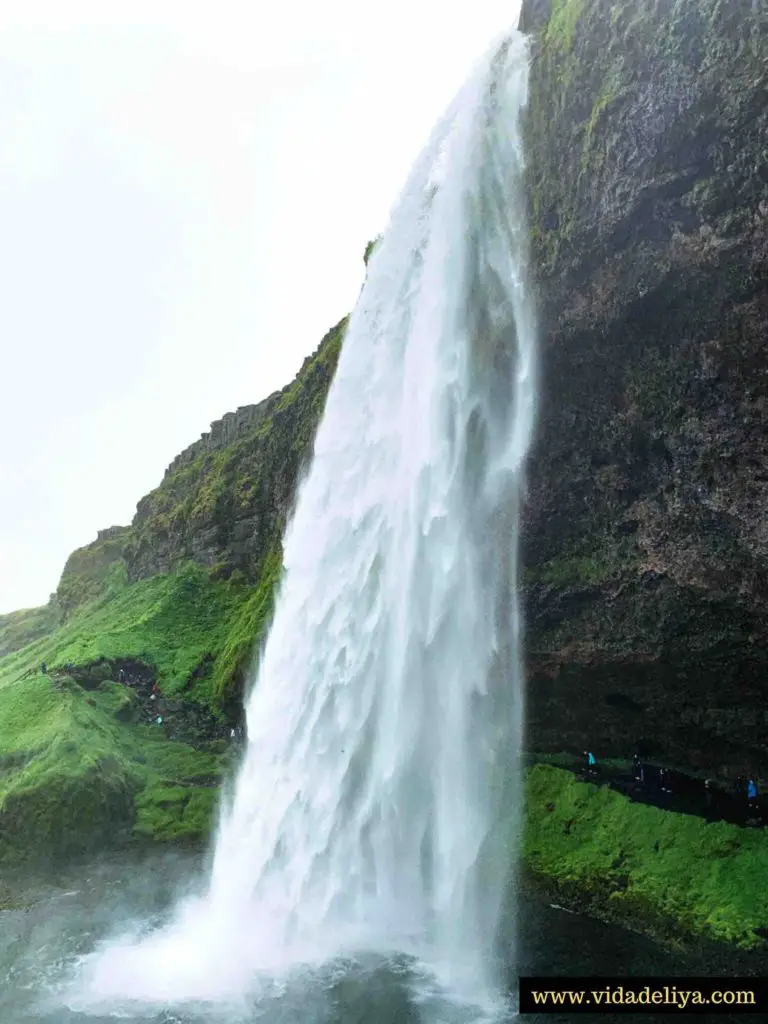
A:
[186, 191]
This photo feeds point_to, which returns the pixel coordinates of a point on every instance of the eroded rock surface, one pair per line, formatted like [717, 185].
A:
[646, 541]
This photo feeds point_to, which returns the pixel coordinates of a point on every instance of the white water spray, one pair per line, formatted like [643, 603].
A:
[385, 723]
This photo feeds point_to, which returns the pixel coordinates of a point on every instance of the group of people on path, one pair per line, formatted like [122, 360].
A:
[666, 787]
[155, 696]
[155, 708]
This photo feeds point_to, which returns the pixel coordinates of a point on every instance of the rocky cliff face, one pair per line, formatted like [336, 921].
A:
[223, 502]
[646, 540]
[89, 569]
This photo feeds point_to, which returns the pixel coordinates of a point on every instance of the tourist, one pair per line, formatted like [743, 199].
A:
[591, 762]
[751, 793]
[43, 668]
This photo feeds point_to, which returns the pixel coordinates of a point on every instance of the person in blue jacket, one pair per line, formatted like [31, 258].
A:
[591, 762]
[751, 793]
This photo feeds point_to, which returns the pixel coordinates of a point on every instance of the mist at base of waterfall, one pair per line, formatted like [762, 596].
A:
[43, 948]
[48, 950]
[158, 956]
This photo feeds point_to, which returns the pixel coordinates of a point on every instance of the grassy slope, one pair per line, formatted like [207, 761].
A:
[17, 629]
[705, 880]
[63, 746]
[169, 621]
[92, 570]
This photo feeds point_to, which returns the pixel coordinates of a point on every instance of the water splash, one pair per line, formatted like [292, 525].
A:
[385, 723]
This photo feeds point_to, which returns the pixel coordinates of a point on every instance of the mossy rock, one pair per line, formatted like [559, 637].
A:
[75, 771]
[175, 814]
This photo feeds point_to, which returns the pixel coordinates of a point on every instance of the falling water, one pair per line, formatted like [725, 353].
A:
[385, 720]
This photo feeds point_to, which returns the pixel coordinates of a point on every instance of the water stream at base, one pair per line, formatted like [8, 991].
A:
[375, 812]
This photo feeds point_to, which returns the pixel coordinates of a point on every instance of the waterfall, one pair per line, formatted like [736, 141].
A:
[384, 722]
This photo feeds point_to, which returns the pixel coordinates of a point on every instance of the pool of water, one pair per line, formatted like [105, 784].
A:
[42, 946]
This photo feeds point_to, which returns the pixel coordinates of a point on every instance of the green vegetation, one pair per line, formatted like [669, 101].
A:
[561, 27]
[65, 747]
[579, 565]
[72, 770]
[171, 622]
[576, 85]
[78, 769]
[594, 147]
[369, 249]
[93, 571]
[674, 875]
[251, 477]
[579, 569]
[17, 629]
[172, 813]
[245, 628]
[304, 398]
[614, 81]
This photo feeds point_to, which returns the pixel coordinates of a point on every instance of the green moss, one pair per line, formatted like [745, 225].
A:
[369, 249]
[561, 27]
[594, 144]
[704, 880]
[77, 775]
[580, 565]
[585, 569]
[68, 783]
[321, 364]
[168, 813]
[618, 90]
[93, 571]
[117, 701]
[254, 474]
[75, 768]
[170, 622]
[17, 629]
[196, 632]
[247, 627]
